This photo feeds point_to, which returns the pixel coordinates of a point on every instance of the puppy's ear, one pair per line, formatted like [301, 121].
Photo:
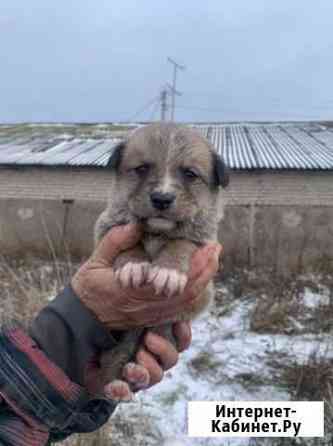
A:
[220, 171]
[116, 155]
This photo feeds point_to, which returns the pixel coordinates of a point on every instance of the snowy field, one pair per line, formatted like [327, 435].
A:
[265, 338]
[226, 361]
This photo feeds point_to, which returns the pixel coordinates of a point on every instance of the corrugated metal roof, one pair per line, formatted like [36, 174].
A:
[307, 146]
[273, 146]
[55, 151]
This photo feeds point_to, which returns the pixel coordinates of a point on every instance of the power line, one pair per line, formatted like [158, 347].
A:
[202, 109]
[155, 107]
[144, 108]
[176, 66]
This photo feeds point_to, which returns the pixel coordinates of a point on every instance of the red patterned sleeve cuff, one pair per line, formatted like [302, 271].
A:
[43, 404]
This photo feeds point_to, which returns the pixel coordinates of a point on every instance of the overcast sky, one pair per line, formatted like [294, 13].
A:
[99, 60]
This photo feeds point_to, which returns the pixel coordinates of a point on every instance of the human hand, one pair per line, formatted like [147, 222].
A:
[157, 353]
[117, 308]
[155, 356]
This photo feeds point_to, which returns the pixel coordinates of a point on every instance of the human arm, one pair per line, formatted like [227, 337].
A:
[42, 402]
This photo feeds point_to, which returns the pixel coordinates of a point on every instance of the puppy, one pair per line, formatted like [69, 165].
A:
[170, 179]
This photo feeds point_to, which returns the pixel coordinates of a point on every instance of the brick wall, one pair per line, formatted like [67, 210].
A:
[54, 183]
[282, 220]
[262, 188]
[285, 188]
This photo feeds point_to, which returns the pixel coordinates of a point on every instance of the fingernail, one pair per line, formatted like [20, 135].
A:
[218, 251]
[188, 330]
[152, 341]
[128, 227]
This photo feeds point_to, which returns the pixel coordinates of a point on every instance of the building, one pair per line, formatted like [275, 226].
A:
[279, 206]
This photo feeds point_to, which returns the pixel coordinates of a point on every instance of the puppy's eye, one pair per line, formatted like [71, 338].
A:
[189, 174]
[142, 169]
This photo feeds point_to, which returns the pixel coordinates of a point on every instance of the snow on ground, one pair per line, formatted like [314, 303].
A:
[225, 362]
[313, 300]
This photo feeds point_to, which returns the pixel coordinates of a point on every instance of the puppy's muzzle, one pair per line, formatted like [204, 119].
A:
[162, 201]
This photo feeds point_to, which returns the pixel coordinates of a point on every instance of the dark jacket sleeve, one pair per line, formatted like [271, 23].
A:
[70, 335]
[42, 375]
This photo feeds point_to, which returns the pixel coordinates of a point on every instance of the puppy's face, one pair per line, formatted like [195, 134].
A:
[168, 174]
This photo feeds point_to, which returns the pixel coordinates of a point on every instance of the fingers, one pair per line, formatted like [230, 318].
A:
[183, 335]
[157, 356]
[162, 349]
[202, 257]
[117, 240]
[204, 265]
[118, 390]
[148, 361]
[200, 279]
[137, 375]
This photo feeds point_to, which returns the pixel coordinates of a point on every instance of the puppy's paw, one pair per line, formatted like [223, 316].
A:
[132, 274]
[118, 390]
[167, 281]
[136, 375]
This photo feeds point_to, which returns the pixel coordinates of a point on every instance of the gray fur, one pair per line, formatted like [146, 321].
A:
[172, 153]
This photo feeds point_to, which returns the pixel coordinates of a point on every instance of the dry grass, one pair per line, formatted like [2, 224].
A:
[204, 363]
[274, 316]
[279, 306]
[311, 380]
[288, 315]
[26, 286]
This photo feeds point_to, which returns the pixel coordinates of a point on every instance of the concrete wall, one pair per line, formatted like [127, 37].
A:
[44, 226]
[283, 221]
[284, 238]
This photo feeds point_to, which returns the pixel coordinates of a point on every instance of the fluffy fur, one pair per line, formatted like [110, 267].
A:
[168, 178]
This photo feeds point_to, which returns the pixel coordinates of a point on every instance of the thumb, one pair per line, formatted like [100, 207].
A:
[202, 257]
[119, 239]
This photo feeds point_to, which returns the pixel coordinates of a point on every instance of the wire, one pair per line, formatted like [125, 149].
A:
[201, 108]
[155, 102]
[144, 108]
[154, 110]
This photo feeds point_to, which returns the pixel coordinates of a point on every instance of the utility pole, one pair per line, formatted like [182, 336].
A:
[176, 66]
[164, 105]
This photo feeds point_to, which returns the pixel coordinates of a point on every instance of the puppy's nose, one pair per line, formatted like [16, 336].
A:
[161, 200]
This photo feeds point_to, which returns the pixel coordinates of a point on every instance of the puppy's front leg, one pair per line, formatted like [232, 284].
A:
[168, 273]
[131, 269]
